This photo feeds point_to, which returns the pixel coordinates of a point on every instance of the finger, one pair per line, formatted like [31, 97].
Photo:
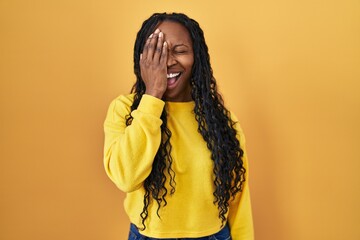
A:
[152, 45]
[146, 47]
[164, 54]
[159, 46]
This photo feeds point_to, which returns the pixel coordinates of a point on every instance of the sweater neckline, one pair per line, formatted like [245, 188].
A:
[180, 106]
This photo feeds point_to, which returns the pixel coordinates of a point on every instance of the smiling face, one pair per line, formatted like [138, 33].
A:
[179, 63]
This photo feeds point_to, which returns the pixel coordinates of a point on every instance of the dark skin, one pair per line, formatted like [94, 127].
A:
[153, 64]
[166, 63]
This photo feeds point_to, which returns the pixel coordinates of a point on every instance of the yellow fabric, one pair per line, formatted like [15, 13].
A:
[128, 155]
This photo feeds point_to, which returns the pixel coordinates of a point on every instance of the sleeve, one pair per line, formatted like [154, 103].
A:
[240, 214]
[129, 151]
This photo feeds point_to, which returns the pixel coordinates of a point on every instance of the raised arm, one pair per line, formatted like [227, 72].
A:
[129, 151]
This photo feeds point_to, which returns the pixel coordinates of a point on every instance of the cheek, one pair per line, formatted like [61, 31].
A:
[187, 61]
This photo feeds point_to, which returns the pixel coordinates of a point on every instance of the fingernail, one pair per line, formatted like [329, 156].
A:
[160, 34]
[141, 56]
[151, 35]
[157, 31]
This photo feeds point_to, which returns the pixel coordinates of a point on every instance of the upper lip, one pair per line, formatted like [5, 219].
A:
[173, 71]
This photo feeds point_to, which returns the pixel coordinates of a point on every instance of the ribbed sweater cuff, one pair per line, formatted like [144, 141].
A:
[151, 105]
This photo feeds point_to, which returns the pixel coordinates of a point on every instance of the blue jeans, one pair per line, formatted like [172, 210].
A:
[223, 234]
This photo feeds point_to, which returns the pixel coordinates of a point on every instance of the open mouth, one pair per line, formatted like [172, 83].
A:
[172, 78]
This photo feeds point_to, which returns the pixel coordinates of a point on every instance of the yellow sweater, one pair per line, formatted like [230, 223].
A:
[128, 156]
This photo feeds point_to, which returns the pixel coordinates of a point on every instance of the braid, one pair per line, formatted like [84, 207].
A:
[154, 184]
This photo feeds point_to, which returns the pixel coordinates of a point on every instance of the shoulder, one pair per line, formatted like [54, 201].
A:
[237, 126]
[126, 100]
[121, 105]
[235, 120]
[123, 101]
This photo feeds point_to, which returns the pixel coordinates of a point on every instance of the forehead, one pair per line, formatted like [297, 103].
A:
[175, 33]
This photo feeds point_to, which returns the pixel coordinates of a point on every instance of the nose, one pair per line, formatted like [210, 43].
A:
[171, 60]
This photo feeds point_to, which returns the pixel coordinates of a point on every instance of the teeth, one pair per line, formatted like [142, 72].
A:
[171, 75]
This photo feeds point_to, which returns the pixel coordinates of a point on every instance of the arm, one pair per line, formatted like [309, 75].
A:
[240, 215]
[129, 151]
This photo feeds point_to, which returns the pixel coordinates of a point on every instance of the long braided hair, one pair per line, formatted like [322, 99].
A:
[214, 124]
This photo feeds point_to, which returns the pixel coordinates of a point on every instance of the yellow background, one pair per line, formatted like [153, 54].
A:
[290, 70]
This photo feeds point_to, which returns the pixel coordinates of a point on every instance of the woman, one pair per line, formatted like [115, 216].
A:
[171, 144]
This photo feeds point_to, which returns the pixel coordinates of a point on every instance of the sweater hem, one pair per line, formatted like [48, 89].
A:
[199, 234]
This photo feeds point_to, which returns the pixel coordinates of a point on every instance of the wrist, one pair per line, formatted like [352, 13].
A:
[154, 93]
